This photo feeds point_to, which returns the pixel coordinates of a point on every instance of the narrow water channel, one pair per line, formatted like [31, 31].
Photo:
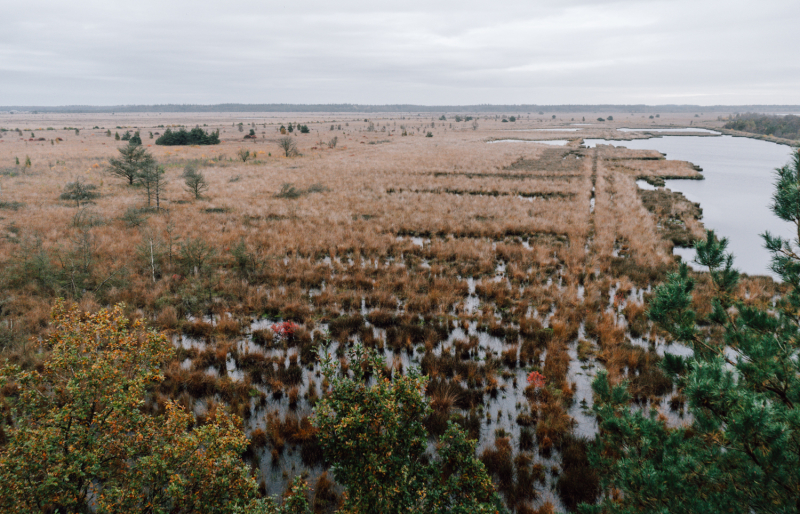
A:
[736, 193]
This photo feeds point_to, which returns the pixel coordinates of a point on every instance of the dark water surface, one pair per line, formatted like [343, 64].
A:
[736, 193]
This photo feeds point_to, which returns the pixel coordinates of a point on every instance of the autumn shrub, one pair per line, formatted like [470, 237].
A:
[498, 460]
[78, 441]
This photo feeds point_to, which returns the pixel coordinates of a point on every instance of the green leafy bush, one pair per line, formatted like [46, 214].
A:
[77, 440]
[372, 431]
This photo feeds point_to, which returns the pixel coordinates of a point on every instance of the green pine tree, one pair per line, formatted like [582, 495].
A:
[741, 452]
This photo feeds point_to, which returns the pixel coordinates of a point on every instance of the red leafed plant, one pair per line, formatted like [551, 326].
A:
[536, 378]
[285, 328]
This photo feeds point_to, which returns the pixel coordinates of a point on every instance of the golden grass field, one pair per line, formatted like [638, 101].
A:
[477, 262]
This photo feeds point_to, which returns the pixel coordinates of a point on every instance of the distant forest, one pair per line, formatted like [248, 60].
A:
[779, 126]
[358, 108]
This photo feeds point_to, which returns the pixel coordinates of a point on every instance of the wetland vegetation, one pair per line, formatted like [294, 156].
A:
[482, 287]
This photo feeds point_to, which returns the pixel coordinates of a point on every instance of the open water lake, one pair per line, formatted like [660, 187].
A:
[736, 193]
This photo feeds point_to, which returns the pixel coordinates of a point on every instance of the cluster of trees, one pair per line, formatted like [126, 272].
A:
[303, 129]
[196, 136]
[133, 139]
[375, 438]
[779, 126]
[139, 168]
[28, 163]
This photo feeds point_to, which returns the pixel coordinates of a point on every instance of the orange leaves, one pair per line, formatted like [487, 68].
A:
[79, 422]
[536, 379]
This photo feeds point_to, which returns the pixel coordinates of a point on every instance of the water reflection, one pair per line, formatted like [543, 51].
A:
[737, 190]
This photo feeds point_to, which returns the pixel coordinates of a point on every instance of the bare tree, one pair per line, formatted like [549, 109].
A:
[134, 160]
[288, 146]
[151, 253]
[474, 124]
[243, 154]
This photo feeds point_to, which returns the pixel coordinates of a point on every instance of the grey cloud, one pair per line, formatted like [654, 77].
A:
[423, 52]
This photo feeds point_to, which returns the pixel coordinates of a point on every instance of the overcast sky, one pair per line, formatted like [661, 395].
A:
[411, 51]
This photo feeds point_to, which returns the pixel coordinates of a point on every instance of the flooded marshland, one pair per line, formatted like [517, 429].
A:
[476, 263]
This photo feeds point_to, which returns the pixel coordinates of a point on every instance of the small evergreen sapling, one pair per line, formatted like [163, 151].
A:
[153, 181]
[133, 160]
[194, 181]
[79, 192]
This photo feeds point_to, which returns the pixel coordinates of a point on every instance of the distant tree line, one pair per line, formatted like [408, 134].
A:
[196, 136]
[779, 126]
